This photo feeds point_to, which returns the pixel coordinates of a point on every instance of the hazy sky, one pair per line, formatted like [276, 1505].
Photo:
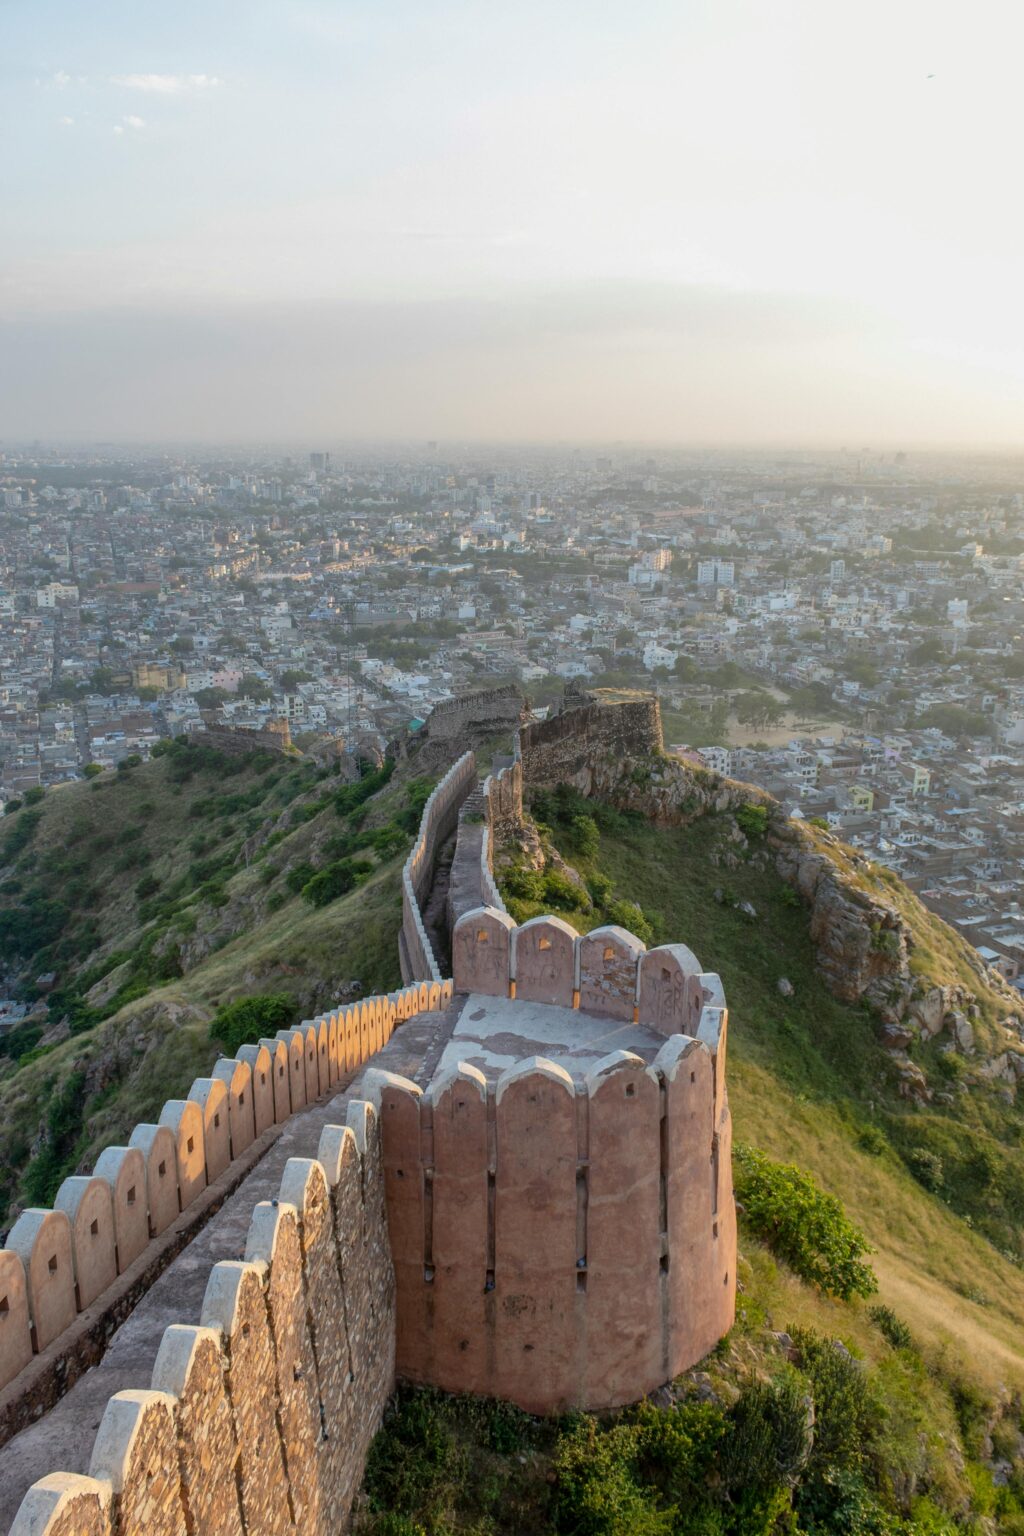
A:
[700, 220]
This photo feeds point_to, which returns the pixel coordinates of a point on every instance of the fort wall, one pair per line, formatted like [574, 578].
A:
[58, 1264]
[563, 748]
[556, 1243]
[438, 822]
[260, 1418]
[236, 741]
[488, 708]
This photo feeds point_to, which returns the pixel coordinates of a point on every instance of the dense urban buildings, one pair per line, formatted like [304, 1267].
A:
[843, 629]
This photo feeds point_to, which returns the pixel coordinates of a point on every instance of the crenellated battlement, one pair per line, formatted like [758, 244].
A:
[560, 1243]
[562, 1225]
[108, 1227]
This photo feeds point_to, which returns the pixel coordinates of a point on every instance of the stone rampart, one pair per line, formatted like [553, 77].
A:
[438, 822]
[236, 741]
[564, 748]
[259, 1419]
[491, 709]
[59, 1263]
[565, 1244]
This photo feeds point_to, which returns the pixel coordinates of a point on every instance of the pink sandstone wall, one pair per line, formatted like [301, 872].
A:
[57, 1263]
[557, 1244]
[296, 1339]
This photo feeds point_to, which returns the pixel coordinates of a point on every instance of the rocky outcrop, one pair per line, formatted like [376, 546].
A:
[862, 944]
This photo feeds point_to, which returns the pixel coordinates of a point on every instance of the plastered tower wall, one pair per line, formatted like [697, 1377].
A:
[438, 822]
[560, 1243]
[259, 1419]
[59, 1263]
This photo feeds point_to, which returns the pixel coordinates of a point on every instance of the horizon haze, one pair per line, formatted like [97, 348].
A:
[695, 223]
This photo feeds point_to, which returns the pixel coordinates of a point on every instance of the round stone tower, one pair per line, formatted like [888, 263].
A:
[559, 1193]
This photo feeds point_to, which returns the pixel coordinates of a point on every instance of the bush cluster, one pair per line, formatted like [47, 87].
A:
[251, 1018]
[801, 1224]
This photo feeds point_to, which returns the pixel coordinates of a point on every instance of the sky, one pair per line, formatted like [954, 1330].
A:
[791, 222]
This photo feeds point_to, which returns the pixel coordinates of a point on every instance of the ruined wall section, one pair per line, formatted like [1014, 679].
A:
[490, 709]
[438, 822]
[260, 1418]
[564, 748]
[236, 741]
[97, 1246]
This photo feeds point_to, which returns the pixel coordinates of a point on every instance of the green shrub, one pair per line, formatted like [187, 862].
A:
[599, 1489]
[417, 1466]
[753, 820]
[872, 1140]
[526, 884]
[301, 875]
[93, 770]
[584, 838]
[250, 1018]
[335, 881]
[34, 795]
[892, 1328]
[560, 891]
[926, 1167]
[56, 1156]
[628, 915]
[22, 832]
[803, 1225]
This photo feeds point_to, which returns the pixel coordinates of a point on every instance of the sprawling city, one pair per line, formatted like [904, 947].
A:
[843, 629]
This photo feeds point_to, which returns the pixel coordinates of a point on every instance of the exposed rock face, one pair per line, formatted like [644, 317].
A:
[611, 748]
[862, 944]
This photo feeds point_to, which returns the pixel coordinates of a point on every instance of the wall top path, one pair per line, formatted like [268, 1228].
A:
[64, 1436]
[494, 1033]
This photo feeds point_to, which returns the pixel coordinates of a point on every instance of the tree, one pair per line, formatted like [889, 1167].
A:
[955, 721]
[211, 698]
[291, 677]
[758, 708]
[253, 687]
[928, 651]
[862, 670]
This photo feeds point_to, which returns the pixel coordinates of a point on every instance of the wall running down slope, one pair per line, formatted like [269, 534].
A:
[438, 822]
[60, 1262]
[259, 1419]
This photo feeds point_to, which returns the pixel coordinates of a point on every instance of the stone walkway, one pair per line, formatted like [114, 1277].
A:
[61, 1441]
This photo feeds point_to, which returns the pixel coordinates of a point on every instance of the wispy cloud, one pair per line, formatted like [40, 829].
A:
[134, 122]
[66, 122]
[60, 79]
[166, 85]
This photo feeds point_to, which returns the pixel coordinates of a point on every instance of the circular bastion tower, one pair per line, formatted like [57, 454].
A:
[559, 1194]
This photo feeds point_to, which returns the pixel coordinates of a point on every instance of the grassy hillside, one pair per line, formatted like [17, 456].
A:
[158, 894]
[810, 1084]
[808, 1078]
